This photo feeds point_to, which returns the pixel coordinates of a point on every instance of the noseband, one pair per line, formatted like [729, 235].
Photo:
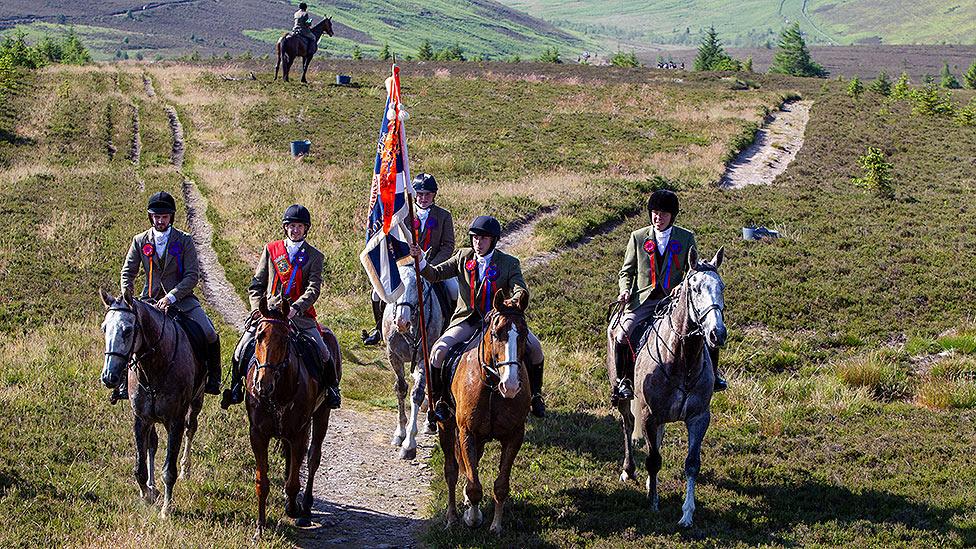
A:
[490, 374]
[698, 317]
[277, 367]
[130, 356]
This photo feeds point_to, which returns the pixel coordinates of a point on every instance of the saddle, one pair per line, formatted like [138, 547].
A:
[307, 351]
[193, 331]
[455, 353]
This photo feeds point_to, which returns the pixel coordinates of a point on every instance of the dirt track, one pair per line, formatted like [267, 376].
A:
[775, 147]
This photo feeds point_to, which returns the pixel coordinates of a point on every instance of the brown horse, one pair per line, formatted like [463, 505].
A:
[492, 396]
[292, 45]
[283, 401]
[165, 386]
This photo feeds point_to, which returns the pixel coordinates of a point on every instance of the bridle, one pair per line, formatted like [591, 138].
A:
[135, 359]
[490, 374]
[413, 339]
[276, 367]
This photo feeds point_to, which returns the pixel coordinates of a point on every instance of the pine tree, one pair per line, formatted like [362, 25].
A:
[73, 52]
[793, 57]
[385, 54]
[855, 88]
[357, 53]
[425, 52]
[948, 79]
[551, 55]
[711, 56]
[901, 89]
[881, 84]
[970, 76]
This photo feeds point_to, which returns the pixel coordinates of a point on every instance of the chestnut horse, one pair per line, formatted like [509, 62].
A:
[292, 45]
[491, 392]
[284, 401]
[165, 386]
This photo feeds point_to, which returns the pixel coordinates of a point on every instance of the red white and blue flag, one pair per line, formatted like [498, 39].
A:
[388, 236]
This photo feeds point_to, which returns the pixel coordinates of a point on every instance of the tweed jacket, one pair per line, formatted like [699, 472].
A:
[437, 238]
[311, 284]
[504, 274]
[175, 273]
[670, 267]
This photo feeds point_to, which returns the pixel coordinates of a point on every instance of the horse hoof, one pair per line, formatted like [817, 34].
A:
[496, 528]
[684, 523]
[408, 454]
[431, 429]
[472, 517]
[625, 476]
[184, 474]
[293, 511]
[397, 440]
[303, 522]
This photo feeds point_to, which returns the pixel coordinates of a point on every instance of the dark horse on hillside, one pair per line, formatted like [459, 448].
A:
[292, 45]
[491, 390]
[285, 401]
[165, 386]
[674, 378]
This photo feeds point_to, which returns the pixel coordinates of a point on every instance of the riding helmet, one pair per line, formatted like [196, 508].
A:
[296, 213]
[485, 225]
[425, 183]
[161, 203]
[663, 200]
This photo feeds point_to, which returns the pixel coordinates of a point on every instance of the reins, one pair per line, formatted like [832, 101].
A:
[490, 369]
[134, 360]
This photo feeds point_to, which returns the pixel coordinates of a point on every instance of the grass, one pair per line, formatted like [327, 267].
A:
[832, 433]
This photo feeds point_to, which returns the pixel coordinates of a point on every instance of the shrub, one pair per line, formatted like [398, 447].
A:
[621, 59]
[880, 372]
[793, 57]
[451, 53]
[901, 89]
[969, 77]
[881, 85]
[948, 80]
[926, 101]
[967, 115]
[855, 88]
[551, 55]
[877, 173]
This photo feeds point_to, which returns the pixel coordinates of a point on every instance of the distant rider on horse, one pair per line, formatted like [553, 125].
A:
[657, 259]
[169, 259]
[303, 23]
[480, 272]
[435, 227]
[288, 269]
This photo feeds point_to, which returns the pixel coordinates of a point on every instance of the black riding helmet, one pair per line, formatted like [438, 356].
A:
[486, 225]
[303, 6]
[663, 200]
[161, 203]
[425, 183]
[296, 213]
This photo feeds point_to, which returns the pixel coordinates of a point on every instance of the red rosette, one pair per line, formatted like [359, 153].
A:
[471, 265]
[148, 249]
[650, 246]
[416, 223]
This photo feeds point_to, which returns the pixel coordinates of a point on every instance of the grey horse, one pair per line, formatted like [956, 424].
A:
[674, 378]
[165, 386]
[401, 331]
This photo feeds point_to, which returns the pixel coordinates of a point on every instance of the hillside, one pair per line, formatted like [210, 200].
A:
[176, 27]
[753, 22]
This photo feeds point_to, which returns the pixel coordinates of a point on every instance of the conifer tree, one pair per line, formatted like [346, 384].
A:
[793, 57]
[425, 52]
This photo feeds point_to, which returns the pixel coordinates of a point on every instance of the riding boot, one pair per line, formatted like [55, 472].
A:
[624, 363]
[720, 383]
[535, 386]
[213, 368]
[374, 337]
[122, 391]
[332, 395]
[234, 395]
[441, 410]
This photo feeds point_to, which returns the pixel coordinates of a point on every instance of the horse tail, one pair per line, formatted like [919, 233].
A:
[278, 55]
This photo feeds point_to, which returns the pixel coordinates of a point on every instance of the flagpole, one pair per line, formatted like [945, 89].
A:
[416, 267]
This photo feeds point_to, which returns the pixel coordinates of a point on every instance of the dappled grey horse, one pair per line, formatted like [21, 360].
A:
[674, 378]
[401, 331]
[165, 386]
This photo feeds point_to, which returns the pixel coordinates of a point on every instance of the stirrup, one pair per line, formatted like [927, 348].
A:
[333, 397]
[624, 389]
[234, 395]
[372, 338]
[538, 406]
[442, 411]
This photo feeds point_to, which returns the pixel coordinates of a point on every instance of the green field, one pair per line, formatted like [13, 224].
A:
[753, 22]
[851, 416]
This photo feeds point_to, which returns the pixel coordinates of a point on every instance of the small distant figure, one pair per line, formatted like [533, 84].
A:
[303, 23]
[584, 58]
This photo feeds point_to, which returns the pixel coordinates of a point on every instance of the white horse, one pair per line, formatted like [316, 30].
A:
[401, 331]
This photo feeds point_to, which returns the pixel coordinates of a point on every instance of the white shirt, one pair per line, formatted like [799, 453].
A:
[662, 239]
[483, 263]
[160, 240]
[292, 247]
[422, 216]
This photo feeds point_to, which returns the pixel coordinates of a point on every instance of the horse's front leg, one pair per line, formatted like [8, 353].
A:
[472, 449]
[191, 429]
[400, 389]
[141, 432]
[259, 445]
[629, 469]
[320, 426]
[409, 448]
[306, 61]
[174, 438]
[696, 433]
[298, 445]
[655, 437]
[502, 486]
[447, 435]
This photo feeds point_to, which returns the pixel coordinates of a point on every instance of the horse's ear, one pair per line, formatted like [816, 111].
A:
[127, 298]
[520, 302]
[285, 306]
[693, 258]
[107, 298]
[719, 256]
[498, 301]
[263, 307]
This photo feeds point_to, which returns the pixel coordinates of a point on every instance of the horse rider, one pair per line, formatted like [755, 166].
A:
[303, 23]
[169, 259]
[435, 227]
[289, 268]
[657, 259]
[480, 271]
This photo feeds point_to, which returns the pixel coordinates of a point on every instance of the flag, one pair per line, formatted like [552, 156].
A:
[388, 236]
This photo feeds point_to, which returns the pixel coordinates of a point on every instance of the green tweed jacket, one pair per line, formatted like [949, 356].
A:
[504, 274]
[670, 268]
[176, 273]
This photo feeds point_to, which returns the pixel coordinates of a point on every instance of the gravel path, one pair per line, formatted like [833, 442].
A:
[365, 495]
[520, 234]
[775, 147]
